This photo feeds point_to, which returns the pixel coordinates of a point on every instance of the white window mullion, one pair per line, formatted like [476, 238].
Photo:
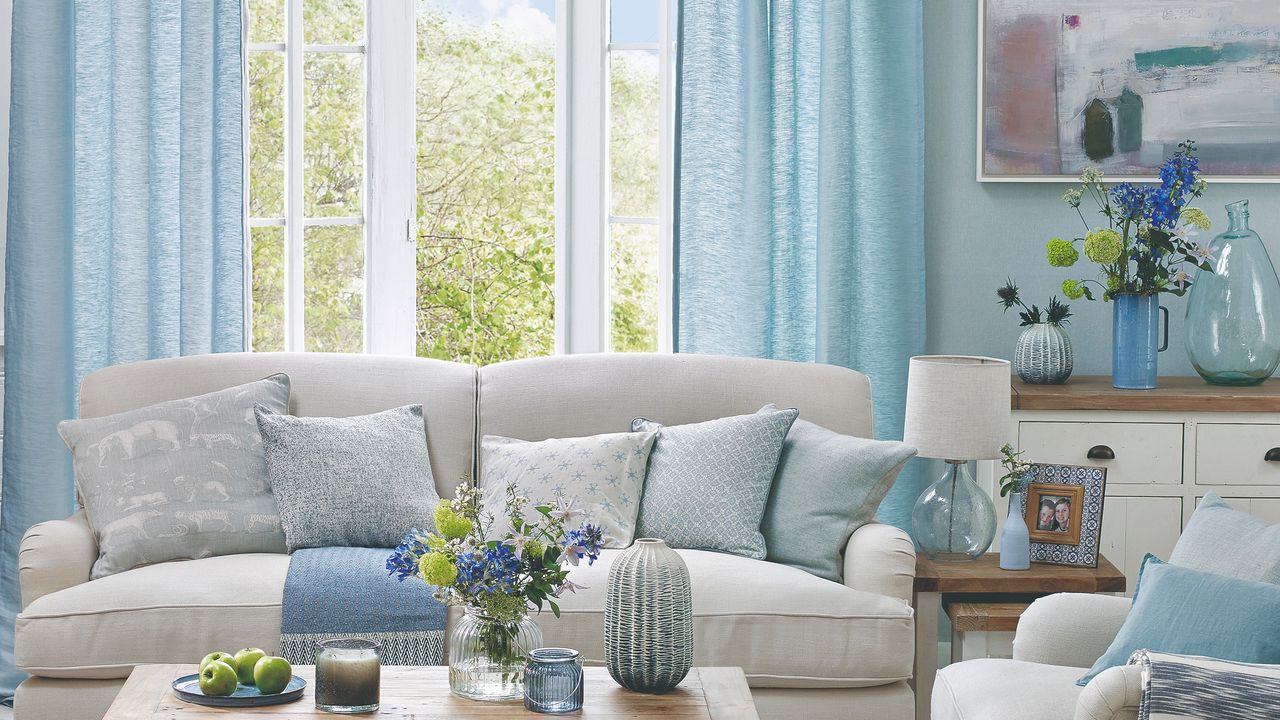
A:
[582, 258]
[666, 177]
[391, 258]
[294, 295]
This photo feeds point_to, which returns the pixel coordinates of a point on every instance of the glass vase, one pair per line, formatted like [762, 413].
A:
[1135, 335]
[1015, 540]
[1232, 313]
[487, 656]
[953, 520]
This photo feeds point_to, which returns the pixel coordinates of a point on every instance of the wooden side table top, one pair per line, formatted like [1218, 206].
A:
[422, 693]
[985, 576]
[1171, 394]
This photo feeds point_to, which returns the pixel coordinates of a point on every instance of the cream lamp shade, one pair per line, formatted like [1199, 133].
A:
[957, 406]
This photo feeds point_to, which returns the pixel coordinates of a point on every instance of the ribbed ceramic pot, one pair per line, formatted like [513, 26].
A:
[1043, 355]
[648, 618]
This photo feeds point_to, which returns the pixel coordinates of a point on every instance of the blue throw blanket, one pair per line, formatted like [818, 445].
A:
[345, 592]
[1184, 687]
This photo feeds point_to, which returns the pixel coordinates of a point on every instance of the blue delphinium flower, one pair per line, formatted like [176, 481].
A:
[583, 542]
[403, 562]
[490, 570]
[1178, 177]
[1133, 201]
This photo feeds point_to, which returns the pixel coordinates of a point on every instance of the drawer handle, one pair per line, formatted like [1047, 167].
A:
[1273, 455]
[1102, 452]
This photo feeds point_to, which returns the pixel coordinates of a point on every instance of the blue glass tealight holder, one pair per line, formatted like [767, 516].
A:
[553, 681]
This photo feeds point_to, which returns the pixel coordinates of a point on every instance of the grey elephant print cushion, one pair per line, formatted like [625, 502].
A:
[183, 479]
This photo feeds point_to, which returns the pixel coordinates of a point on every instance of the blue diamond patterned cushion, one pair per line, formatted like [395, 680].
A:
[708, 482]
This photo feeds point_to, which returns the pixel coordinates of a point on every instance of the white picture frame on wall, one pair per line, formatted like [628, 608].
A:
[1147, 74]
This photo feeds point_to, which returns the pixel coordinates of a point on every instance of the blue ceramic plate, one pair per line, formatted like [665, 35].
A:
[187, 688]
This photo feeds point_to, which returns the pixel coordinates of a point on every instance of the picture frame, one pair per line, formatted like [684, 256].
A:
[1081, 489]
[1045, 67]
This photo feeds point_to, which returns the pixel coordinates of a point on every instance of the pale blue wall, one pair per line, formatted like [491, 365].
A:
[977, 233]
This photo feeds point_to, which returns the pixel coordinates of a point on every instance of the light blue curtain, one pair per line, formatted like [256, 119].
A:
[125, 231]
[800, 190]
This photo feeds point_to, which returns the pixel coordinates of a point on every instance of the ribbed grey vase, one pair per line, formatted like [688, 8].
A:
[648, 618]
[1043, 355]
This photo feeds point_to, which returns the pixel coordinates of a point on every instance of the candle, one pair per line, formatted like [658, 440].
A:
[347, 676]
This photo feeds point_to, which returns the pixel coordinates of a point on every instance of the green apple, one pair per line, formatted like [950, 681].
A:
[227, 658]
[218, 679]
[272, 674]
[245, 660]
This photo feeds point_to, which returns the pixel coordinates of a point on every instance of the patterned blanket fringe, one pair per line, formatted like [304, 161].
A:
[1186, 687]
[398, 648]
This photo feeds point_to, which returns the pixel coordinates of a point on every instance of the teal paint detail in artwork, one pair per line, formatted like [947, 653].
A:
[1128, 121]
[1195, 56]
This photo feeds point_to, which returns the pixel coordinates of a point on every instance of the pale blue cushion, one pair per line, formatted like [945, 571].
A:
[1192, 612]
[827, 486]
[1229, 542]
[708, 482]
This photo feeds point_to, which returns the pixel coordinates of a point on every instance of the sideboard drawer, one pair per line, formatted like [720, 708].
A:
[1145, 453]
[1235, 454]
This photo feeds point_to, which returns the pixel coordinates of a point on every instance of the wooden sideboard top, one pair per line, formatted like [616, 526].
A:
[1173, 394]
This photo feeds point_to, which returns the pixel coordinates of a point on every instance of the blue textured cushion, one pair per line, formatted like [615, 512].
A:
[708, 482]
[1229, 542]
[1192, 612]
[827, 486]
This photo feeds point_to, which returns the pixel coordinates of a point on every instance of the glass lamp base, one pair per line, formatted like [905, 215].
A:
[953, 520]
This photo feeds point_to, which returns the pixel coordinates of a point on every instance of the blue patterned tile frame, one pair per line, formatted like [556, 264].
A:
[1094, 480]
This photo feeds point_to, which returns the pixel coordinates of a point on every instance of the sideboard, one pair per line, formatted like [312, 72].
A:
[1163, 450]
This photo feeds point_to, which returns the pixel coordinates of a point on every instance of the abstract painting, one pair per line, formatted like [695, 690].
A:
[1064, 84]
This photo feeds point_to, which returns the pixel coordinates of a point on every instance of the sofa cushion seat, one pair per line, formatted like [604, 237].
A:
[783, 626]
[173, 612]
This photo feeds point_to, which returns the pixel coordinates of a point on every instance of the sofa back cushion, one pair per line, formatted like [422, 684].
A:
[577, 395]
[323, 384]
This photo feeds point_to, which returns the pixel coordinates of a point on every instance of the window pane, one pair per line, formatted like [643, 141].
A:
[633, 288]
[268, 288]
[333, 22]
[333, 142]
[266, 134]
[266, 21]
[334, 288]
[486, 180]
[633, 21]
[634, 107]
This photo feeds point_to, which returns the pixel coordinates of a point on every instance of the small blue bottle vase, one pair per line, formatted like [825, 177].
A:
[1015, 540]
[1135, 340]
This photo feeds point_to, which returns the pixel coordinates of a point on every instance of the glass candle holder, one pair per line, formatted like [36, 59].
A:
[348, 676]
[553, 681]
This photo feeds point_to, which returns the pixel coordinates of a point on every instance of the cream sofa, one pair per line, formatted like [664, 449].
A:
[1059, 637]
[809, 647]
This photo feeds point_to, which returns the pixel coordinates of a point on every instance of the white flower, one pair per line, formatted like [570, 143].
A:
[565, 510]
[568, 586]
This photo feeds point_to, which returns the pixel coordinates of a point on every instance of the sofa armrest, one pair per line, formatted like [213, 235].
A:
[881, 559]
[1072, 629]
[55, 555]
[1113, 695]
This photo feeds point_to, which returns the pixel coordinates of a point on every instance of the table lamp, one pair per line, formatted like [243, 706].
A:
[957, 411]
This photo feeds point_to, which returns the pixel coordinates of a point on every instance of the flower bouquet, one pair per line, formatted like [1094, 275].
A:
[498, 577]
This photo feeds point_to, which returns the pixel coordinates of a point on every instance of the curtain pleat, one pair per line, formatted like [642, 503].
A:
[126, 231]
[799, 229]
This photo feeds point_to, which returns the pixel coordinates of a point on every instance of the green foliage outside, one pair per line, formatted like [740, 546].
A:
[485, 181]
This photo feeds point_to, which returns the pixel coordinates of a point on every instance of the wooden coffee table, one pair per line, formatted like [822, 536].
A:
[422, 693]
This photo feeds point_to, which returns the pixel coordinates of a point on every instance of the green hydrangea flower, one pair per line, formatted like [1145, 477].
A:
[1196, 218]
[449, 523]
[1103, 245]
[437, 569]
[534, 548]
[1114, 285]
[1062, 253]
[1072, 289]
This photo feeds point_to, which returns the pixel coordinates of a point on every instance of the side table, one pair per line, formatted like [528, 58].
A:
[982, 583]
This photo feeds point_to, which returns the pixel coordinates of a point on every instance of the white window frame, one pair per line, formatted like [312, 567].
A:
[582, 188]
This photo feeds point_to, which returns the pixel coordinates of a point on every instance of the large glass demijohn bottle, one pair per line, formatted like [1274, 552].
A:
[1233, 313]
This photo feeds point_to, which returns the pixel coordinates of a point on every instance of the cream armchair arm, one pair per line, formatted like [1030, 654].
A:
[55, 555]
[1113, 695]
[1071, 629]
[880, 559]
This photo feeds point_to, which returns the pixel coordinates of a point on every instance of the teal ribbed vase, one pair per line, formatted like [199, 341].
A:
[648, 618]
